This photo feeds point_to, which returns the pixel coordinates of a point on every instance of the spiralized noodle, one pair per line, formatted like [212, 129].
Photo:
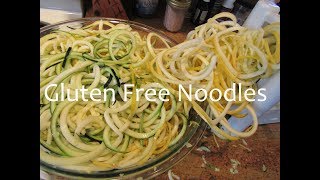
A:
[216, 55]
[88, 135]
[102, 135]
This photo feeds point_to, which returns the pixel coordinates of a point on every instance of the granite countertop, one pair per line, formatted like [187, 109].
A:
[260, 161]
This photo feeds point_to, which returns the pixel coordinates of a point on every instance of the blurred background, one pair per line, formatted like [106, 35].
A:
[52, 11]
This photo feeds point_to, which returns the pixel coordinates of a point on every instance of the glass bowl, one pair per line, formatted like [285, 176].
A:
[153, 167]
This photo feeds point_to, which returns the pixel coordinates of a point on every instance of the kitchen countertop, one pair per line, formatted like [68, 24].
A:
[263, 150]
[264, 144]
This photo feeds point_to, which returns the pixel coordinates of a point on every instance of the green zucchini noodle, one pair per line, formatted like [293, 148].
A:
[104, 135]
